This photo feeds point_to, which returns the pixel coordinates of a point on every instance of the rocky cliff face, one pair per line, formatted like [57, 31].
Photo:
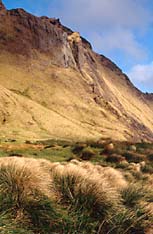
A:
[22, 33]
[2, 7]
[45, 63]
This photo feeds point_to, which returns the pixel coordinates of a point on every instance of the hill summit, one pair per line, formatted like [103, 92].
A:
[53, 85]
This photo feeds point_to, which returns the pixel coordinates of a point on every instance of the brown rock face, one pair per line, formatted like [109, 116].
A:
[76, 92]
[23, 33]
[2, 7]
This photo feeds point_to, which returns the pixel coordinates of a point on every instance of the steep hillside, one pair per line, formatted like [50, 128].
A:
[54, 85]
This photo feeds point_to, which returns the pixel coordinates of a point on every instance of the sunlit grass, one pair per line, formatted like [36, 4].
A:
[75, 197]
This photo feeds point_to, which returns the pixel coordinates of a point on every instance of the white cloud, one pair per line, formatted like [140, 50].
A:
[118, 39]
[142, 74]
[97, 13]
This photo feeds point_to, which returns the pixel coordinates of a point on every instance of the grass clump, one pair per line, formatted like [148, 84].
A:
[150, 157]
[102, 195]
[23, 197]
[148, 169]
[77, 148]
[87, 154]
[133, 157]
[115, 158]
[132, 195]
[88, 198]
[75, 197]
[125, 222]
[83, 151]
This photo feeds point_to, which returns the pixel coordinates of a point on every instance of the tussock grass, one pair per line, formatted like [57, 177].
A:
[115, 158]
[125, 222]
[87, 154]
[148, 168]
[113, 177]
[150, 157]
[78, 180]
[37, 196]
[132, 195]
[26, 196]
[23, 177]
[134, 157]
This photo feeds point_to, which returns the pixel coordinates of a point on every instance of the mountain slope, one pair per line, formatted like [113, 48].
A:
[73, 92]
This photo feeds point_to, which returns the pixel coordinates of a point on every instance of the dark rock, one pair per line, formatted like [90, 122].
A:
[2, 7]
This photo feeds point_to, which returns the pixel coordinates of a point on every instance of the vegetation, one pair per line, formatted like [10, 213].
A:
[101, 193]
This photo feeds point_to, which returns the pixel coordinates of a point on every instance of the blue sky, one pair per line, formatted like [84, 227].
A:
[120, 29]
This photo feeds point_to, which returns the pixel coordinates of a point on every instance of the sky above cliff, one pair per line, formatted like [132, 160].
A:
[119, 29]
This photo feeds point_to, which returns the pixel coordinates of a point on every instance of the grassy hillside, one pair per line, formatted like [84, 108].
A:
[60, 103]
[77, 105]
[61, 93]
[63, 187]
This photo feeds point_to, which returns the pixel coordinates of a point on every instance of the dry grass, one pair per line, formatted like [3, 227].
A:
[58, 92]
[114, 177]
[98, 198]
[25, 177]
[39, 175]
[92, 187]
